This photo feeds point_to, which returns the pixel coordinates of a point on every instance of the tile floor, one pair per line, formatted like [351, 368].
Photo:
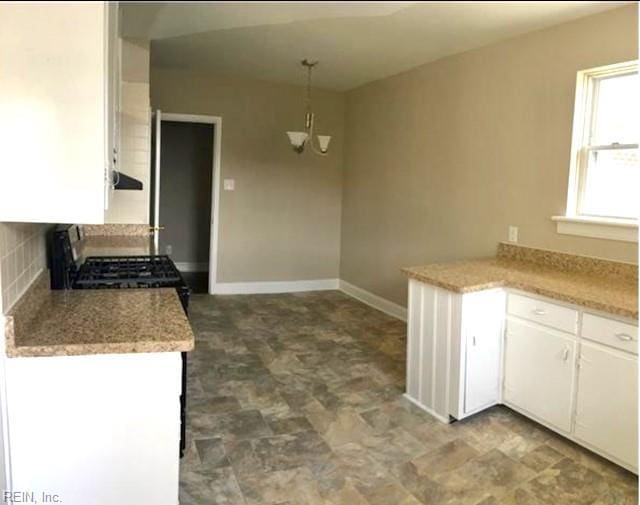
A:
[296, 399]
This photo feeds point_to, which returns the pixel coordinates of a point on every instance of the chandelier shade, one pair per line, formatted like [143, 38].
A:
[300, 139]
[323, 141]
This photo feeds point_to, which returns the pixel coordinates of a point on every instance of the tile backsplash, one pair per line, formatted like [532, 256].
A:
[23, 255]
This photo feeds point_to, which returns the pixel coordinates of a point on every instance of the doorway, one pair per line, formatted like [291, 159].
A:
[185, 194]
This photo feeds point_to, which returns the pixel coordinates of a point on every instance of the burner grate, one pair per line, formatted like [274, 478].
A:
[128, 272]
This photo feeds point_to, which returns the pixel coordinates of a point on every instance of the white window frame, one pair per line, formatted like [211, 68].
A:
[574, 223]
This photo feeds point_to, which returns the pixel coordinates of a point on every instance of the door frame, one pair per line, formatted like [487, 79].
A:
[214, 221]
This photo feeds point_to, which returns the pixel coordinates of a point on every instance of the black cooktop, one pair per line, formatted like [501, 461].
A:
[128, 272]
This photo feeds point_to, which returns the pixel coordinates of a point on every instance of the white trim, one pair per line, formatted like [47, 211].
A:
[215, 190]
[190, 118]
[156, 183]
[215, 208]
[594, 227]
[375, 301]
[247, 288]
[189, 266]
[587, 82]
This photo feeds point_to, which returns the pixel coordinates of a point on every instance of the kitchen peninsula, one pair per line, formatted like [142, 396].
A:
[551, 335]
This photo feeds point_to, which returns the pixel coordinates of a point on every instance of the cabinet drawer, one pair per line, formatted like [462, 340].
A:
[609, 332]
[549, 314]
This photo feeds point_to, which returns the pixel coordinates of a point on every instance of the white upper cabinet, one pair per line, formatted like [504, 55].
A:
[58, 109]
[112, 145]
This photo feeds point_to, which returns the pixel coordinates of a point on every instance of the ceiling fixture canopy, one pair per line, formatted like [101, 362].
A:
[299, 139]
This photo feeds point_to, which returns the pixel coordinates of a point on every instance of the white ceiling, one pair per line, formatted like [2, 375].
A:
[356, 42]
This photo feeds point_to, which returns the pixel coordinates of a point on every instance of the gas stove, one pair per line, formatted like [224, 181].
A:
[128, 272]
[69, 271]
[131, 272]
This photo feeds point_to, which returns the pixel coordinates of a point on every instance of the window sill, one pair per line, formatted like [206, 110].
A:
[598, 227]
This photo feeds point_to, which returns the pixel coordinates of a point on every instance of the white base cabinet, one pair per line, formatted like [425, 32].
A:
[607, 402]
[476, 355]
[574, 371]
[539, 373]
[99, 429]
[453, 350]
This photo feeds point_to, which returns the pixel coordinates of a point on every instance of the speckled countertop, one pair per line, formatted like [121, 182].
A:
[589, 282]
[75, 322]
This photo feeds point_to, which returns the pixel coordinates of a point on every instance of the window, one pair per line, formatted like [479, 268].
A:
[604, 185]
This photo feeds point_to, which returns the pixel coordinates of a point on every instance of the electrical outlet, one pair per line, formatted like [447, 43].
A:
[513, 233]
[229, 184]
[169, 249]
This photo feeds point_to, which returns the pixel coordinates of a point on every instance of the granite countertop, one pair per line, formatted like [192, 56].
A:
[596, 284]
[78, 322]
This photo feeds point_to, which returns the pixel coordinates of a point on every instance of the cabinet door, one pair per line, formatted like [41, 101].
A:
[79, 424]
[540, 372]
[113, 100]
[483, 366]
[483, 316]
[52, 112]
[607, 405]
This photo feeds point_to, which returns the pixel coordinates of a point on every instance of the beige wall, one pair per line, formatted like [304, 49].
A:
[134, 60]
[282, 222]
[441, 159]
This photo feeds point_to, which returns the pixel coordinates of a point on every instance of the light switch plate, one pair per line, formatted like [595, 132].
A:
[513, 233]
[229, 184]
[169, 249]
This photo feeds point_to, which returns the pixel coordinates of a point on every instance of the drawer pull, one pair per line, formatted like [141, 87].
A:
[539, 312]
[624, 336]
[565, 354]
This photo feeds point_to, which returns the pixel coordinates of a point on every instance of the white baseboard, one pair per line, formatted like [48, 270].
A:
[246, 288]
[192, 267]
[375, 301]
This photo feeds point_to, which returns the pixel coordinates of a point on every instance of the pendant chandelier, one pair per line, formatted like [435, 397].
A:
[300, 139]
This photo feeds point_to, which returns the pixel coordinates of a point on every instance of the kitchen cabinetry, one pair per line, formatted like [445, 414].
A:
[99, 429]
[478, 370]
[429, 333]
[544, 313]
[467, 327]
[112, 145]
[539, 374]
[607, 402]
[58, 110]
[567, 368]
